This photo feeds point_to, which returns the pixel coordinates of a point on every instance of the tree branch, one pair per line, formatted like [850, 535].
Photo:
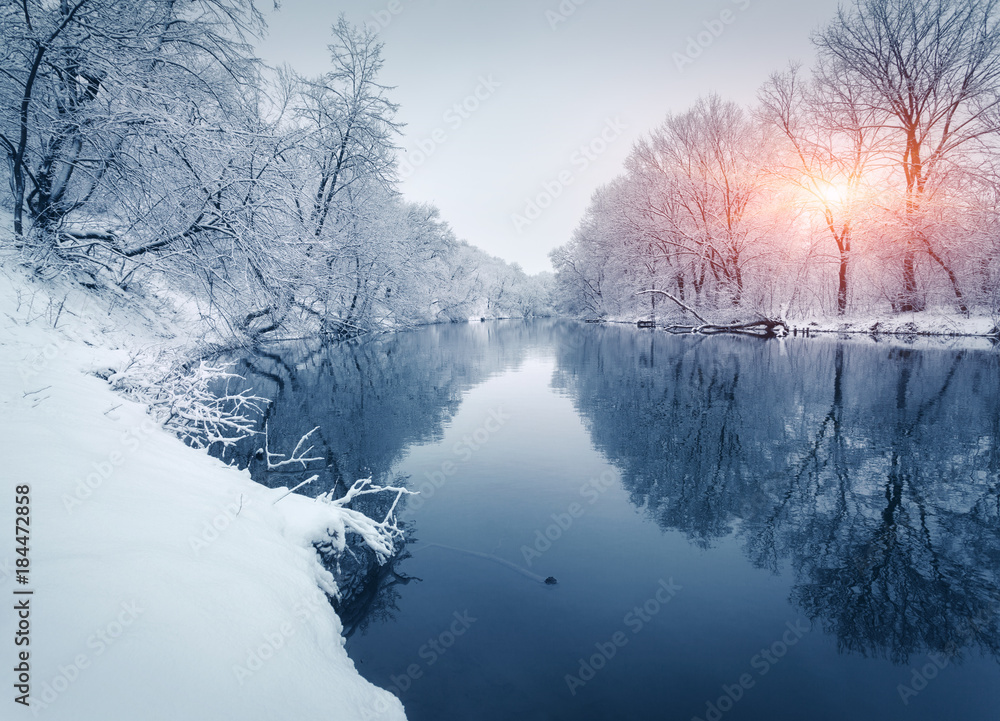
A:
[688, 308]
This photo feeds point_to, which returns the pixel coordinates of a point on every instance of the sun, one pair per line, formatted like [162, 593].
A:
[832, 193]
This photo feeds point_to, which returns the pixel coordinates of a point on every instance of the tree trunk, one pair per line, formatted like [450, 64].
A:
[951, 276]
[18, 188]
[842, 285]
[908, 301]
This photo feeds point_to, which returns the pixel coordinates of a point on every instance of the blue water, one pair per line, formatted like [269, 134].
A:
[739, 528]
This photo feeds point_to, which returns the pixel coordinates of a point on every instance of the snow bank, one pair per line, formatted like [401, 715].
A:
[166, 585]
[926, 329]
[929, 323]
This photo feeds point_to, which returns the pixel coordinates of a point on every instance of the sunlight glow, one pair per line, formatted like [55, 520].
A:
[832, 193]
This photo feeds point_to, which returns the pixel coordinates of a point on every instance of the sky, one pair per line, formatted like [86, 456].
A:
[515, 112]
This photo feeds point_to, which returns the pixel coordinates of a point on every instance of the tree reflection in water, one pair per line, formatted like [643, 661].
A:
[371, 399]
[872, 471]
[367, 590]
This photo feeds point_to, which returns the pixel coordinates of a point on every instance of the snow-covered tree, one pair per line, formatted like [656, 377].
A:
[83, 81]
[931, 70]
[830, 159]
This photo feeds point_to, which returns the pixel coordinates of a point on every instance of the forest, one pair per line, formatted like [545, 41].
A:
[864, 184]
[151, 151]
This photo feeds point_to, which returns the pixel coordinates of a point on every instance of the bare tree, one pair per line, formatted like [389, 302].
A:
[832, 155]
[347, 124]
[83, 78]
[340, 170]
[932, 69]
[705, 175]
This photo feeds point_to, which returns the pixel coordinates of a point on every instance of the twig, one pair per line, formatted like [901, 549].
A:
[55, 324]
[296, 456]
[297, 488]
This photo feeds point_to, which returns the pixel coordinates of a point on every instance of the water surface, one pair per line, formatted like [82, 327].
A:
[740, 529]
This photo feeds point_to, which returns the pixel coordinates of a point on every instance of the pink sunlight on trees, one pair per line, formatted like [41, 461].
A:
[865, 184]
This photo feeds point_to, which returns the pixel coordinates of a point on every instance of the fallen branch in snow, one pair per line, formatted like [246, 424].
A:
[293, 490]
[688, 308]
[764, 327]
[379, 536]
[327, 521]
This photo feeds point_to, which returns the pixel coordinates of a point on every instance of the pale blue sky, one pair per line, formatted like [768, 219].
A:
[549, 83]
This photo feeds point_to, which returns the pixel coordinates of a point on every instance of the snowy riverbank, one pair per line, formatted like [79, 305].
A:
[165, 585]
[927, 328]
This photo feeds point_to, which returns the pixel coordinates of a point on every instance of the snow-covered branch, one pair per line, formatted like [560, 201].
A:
[192, 405]
[277, 460]
[379, 536]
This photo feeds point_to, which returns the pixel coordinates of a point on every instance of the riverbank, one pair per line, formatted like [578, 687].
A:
[163, 584]
[935, 325]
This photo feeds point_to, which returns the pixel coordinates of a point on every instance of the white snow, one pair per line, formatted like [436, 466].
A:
[926, 323]
[166, 584]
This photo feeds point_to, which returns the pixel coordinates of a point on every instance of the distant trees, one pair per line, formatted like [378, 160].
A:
[865, 183]
[599, 271]
[702, 175]
[690, 216]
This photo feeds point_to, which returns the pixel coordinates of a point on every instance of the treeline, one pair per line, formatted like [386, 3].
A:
[147, 147]
[867, 183]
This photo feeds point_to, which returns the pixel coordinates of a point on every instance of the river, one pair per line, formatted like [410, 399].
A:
[736, 528]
